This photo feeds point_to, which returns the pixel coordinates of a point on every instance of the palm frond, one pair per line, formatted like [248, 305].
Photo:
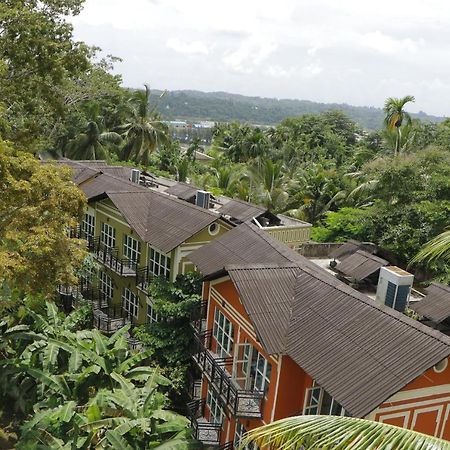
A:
[339, 433]
[436, 249]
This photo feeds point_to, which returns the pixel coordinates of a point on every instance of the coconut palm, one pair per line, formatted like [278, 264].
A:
[395, 115]
[145, 132]
[438, 249]
[92, 144]
[339, 432]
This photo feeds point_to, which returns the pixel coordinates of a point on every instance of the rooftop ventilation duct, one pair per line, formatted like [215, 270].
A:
[202, 199]
[135, 176]
[394, 287]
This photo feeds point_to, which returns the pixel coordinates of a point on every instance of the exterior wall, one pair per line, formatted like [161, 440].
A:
[198, 240]
[423, 405]
[288, 382]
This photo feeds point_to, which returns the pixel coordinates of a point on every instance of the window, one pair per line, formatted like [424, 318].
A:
[131, 248]
[256, 369]
[213, 404]
[213, 229]
[152, 316]
[106, 285]
[108, 236]
[159, 264]
[239, 434]
[223, 332]
[88, 225]
[262, 370]
[319, 401]
[130, 302]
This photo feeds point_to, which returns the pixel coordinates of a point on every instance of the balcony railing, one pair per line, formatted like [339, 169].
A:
[109, 257]
[240, 402]
[110, 319]
[143, 278]
[198, 316]
[73, 296]
[193, 385]
[204, 431]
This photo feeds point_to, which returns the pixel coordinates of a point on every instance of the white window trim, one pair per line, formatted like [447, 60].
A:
[106, 285]
[88, 225]
[308, 406]
[133, 251]
[223, 333]
[155, 264]
[216, 411]
[130, 302]
[108, 235]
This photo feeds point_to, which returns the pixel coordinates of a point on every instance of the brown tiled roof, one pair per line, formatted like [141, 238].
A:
[244, 244]
[360, 265]
[163, 221]
[361, 352]
[184, 191]
[102, 183]
[346, 249]
[436, 304]
[240, 210]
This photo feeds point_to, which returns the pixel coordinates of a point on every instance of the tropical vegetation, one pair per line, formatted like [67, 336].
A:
[339, 432]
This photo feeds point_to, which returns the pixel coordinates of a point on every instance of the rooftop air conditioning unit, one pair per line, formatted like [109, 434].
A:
[202, 199]
[394, 287]
[135, 176]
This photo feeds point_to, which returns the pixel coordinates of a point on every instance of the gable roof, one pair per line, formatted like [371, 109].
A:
[163, 221]
[184, 191]
[360, 265]
[245, 243]
[241, 210]
[436, 304]
[346, 249]
[359, 351]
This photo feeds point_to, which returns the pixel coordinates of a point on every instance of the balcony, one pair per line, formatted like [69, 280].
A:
[143, 278]
[204, 431]
[108, 256]
[198, 316]
[245, 403]
[110, 319]
[73, 297]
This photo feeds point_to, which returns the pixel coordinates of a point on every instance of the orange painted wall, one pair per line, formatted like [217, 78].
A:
[291, 389]
[423, 405]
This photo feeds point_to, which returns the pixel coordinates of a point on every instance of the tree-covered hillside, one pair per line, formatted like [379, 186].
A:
[225, 107]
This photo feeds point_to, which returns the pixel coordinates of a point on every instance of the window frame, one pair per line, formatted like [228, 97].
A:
[153, 316]
[224, 336]
[108, 235]
[88, 225]
[156, 266]
[131, 252]
[106, 285]
[318, 406]
[130, 302]
[215, 410]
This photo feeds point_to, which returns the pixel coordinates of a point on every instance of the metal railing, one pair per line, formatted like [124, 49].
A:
[198, 316]
[246, 403]
[73, 296]
[143, 278]
[109, 257]
[204, 431]
[110, 319]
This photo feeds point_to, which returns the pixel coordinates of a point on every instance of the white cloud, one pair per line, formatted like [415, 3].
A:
[188, 48]
[319, 50]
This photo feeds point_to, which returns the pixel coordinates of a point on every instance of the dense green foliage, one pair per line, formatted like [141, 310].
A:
[76, 388]
[169, 340]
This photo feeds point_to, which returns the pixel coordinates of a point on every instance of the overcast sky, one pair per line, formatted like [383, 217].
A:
[346, 51]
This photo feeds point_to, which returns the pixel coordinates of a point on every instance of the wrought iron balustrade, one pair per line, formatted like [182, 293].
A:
[240, 402]
[206, 432]
[198, 316]
[109, 256]
[110, 319]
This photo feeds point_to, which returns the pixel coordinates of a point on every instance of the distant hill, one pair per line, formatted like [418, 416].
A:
[225, 107]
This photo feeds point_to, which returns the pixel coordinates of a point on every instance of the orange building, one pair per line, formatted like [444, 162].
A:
[279, 336]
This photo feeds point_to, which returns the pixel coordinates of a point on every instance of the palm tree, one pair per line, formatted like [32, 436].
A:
[339, 432]
[145, 132]
[438, 249]
[92, 143]
[395, 115]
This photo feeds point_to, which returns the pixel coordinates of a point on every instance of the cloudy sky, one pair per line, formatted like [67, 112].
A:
[346, 51]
